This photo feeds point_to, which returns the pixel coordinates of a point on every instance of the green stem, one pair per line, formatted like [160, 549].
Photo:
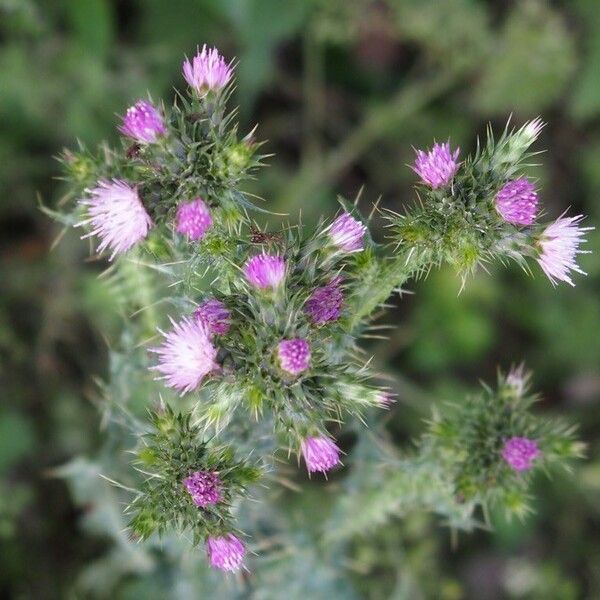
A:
[314, 108]
[380, 282]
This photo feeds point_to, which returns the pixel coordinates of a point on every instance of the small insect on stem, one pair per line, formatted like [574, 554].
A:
[263, 237]
[133, 151]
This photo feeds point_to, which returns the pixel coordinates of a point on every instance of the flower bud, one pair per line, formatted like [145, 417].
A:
[143, 123]
[265, 271]
[437, 167]
[207, 71]
[320, 454]
[226, 552]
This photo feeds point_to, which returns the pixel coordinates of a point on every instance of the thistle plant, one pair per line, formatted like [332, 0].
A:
[250, 338]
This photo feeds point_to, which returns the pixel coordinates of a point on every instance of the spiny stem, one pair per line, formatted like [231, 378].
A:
[379, 284]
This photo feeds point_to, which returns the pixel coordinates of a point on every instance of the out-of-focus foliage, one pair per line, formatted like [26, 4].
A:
[530, 64]
[342, 91]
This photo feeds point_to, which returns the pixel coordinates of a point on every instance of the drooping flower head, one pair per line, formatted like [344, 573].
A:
[187, 355]
[207, 70]
[215, 315]
[143, 123]
[347, 233]
[204, 487]
[517, 202]
[559, 245]
[116, 215]
[320, 454]
[265, 271]
[520, 452]
[325, 303]
[226, 552]
[437, 167]
[294, 355]
[193, 219]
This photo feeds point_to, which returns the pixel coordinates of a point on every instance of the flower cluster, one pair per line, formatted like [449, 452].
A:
[488, 444]
[278, 333]
[464, 228]
[190, 485]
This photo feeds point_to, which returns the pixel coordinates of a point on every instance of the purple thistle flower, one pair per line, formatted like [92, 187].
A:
[437, 167]
[520, 452]
[320, 454]
[204, 488]
[559, 245]
[117, 216]
[207, 70]
[265, 271]
[215, 315]
[517, 202]
[187, 355]
[294, 355]
[347, 233]
[325, 303]
[225, 552]
[193, 219]
[143, 123]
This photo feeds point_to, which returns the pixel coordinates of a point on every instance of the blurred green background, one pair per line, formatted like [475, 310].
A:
[342, 90]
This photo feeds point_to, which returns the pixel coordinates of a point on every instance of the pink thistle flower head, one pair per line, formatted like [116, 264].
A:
[517, 202]
[226, 552]
[437, 167]
[215, 315]
[294, 355]
[116, 215]
[204, 487]
[265, 271]
[143, 123]
[320, 454]
[385, 400]
[187, 355]
[207, 70]
[347, 233]
[559, 246]
[193, 219]
[325, 303]
[520, 452]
